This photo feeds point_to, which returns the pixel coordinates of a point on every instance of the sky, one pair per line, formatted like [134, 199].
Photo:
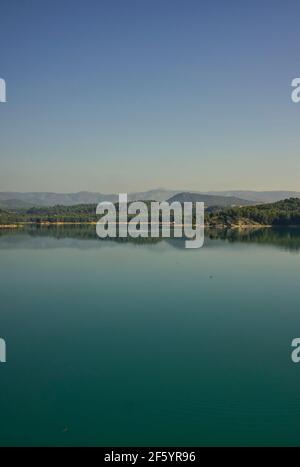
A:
[129, 95]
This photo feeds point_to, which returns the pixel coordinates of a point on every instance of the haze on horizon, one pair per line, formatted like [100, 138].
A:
[114, 96]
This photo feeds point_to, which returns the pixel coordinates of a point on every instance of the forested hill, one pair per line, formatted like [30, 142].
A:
[77, 213]
[285, 212]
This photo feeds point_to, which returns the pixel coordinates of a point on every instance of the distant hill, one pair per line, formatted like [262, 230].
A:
[52, 199]
[210, 200]
[258, 196]
[157, 195]
[16, 200]
[14, 204]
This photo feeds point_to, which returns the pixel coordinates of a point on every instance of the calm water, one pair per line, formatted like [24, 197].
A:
[113, 343]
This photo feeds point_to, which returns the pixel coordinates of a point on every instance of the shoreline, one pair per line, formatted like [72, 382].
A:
[17, 225]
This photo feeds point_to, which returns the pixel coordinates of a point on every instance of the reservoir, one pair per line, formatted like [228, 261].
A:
[119, 343]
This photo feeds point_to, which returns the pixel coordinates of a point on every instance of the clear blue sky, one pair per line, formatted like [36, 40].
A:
[124, 95]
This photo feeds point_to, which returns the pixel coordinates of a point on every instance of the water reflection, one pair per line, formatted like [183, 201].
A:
[287, 238]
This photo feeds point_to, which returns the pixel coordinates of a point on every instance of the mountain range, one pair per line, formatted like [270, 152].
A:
[17, 200]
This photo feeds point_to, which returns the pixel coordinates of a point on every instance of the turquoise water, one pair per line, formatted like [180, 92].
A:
[121, 343]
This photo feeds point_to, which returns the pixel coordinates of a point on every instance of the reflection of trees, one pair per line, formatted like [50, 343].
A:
[285, 237]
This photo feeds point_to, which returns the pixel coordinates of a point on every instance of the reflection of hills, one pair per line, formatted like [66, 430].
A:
[287, 238]
[84, 236]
